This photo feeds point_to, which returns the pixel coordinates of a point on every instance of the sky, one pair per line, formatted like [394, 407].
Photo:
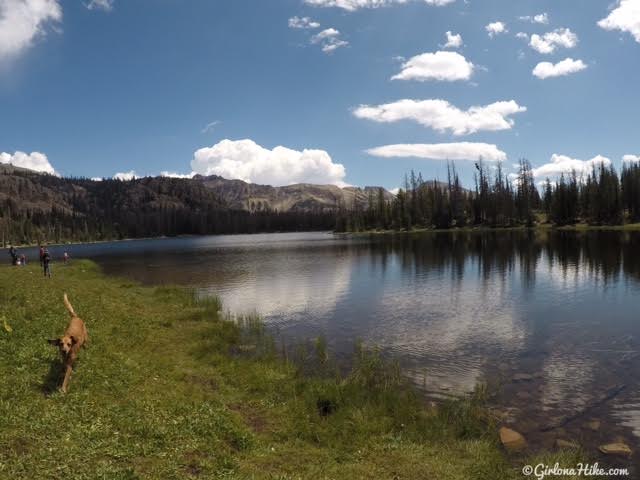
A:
[347, 92]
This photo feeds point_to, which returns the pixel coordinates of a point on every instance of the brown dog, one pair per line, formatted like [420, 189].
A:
[75, 337]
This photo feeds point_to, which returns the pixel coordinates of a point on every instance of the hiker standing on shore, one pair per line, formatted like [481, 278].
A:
[46, 259]
[14, 255]
[41, 255]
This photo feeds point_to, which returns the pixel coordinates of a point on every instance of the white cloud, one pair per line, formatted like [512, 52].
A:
[496, 28]
[541, 18]
[22, 22]
[106, 5]
[126, 176]
[330, 40]
[625, 17]
[324, 35]
[303, 23]
[33, 161]
[334, 45]
[547, 43]
[441, 65]
[248, 161]
[176, 175]
[522, 35]
[444, 117]
[560, 164]
[441, 151]
[210, 126]
[353, 5]
[453, 41]
[565, 67]
[631, 158]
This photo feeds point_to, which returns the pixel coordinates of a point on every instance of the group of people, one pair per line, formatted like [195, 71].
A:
[45, 259]
[17, 259]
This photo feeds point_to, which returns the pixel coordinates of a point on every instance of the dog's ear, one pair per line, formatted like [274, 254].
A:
[54, 341]
[74, 339]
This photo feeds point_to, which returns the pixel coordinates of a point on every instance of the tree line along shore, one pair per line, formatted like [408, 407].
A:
[601, 198]
[36, 208]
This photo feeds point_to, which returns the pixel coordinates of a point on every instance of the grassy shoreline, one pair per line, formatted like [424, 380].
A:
[171, 388]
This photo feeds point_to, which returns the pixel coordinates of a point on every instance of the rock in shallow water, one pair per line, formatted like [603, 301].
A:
[512, 440]
[621, 449]
[594, 425]
[522, 377]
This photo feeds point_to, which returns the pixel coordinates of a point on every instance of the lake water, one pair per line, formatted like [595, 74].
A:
[550, 319]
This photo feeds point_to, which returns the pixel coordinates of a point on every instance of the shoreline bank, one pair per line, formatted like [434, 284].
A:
[631, 227]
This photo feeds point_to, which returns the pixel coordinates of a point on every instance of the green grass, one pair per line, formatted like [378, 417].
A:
[169, 388]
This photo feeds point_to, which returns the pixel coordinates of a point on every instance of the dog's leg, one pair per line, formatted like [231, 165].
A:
[67, 376]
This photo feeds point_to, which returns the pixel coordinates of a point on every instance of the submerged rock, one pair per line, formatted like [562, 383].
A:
[566, 444]
[512, 440]
[522, 377]
[594, 425]
[621, 449]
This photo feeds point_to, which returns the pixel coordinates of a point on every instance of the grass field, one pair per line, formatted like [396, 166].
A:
[170, 388]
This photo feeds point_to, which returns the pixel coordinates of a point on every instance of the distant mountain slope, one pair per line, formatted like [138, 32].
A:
[299, 197]
[36, 206]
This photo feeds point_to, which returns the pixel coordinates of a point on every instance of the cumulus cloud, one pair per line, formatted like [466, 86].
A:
[541, 18]
[522, 36]
[453, 41]
[329, 39]
[441, 151]
[22, 22]
[33, 161]
[126, 176]
[631, 158]
[566, 67]
[353, 5]
[444, 117]
[441, 65]
[496, 28]
[560, 164]
[550, 41]
[106, 5]
[248, 161]
[303, 23]
[625, 17]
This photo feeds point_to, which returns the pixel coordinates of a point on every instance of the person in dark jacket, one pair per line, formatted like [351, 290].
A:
[14, 255]
[46, 260]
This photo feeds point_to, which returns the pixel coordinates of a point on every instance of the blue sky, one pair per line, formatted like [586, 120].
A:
[102, 87]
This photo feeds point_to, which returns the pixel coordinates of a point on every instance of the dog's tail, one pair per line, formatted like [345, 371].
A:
[67, 304]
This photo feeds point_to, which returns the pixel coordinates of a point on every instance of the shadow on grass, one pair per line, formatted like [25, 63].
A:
[52, 380]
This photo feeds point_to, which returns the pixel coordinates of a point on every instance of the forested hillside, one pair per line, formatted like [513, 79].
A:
[36, 207]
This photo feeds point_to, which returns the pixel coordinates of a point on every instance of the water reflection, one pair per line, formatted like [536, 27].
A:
[454, 308]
